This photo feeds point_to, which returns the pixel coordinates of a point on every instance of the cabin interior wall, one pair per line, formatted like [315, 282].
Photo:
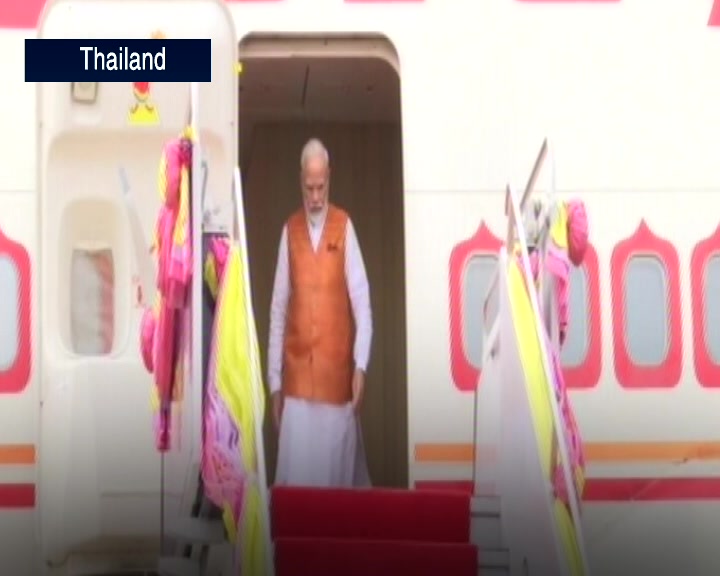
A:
[367, 181]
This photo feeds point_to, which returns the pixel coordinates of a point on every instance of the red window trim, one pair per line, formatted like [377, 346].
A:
[16, 378]
[706, 370]
[587, 375]
[630, 375]
[482, 243]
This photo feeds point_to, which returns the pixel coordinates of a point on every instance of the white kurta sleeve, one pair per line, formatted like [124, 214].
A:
[359, 291]
[278, 310]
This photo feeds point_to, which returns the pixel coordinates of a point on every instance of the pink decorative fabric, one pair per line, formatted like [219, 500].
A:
[572, 438]
[223, 475]
[162, 327]
[557, 264]
[147, 339]
[577, 231]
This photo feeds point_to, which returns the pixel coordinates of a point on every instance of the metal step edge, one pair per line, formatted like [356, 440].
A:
[486, 533]
[192, 530]
[494, 558]
[491, 571]
[177, 566]
[93, 564]
[485, 506]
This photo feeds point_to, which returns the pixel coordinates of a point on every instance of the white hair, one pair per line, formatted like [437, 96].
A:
[314, 148]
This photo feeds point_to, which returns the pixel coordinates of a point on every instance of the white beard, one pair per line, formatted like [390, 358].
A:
[316, 218]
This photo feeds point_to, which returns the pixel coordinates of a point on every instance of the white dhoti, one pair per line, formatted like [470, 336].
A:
[320, 445]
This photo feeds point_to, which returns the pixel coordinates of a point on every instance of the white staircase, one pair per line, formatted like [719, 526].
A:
[193, 536]
[195, 546]
[517, 421]
[486, 534]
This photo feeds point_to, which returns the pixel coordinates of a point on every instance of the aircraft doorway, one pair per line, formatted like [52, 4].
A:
[347, 93]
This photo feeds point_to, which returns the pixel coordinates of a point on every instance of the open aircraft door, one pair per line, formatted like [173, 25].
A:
[99, 149]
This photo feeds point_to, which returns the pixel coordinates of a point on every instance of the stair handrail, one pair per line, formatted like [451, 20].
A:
[516, 234]
[491, 343]
[197, 388]
[491, 333]
[516, 231]
[256, 379]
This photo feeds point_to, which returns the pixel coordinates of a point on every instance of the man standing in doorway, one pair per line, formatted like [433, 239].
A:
[320, 335]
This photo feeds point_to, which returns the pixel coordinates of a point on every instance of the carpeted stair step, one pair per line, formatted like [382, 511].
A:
[376, 514]
[345, 557]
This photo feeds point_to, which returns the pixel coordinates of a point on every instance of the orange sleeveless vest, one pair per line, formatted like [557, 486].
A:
[320, 331]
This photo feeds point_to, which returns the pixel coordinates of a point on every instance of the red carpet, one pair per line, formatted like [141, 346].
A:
[380, 532]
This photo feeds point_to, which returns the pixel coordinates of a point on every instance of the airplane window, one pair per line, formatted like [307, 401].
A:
[711, 285]
[92, 302]
[478, 275]
[575, 349]
[646, 311]
[9, 313]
